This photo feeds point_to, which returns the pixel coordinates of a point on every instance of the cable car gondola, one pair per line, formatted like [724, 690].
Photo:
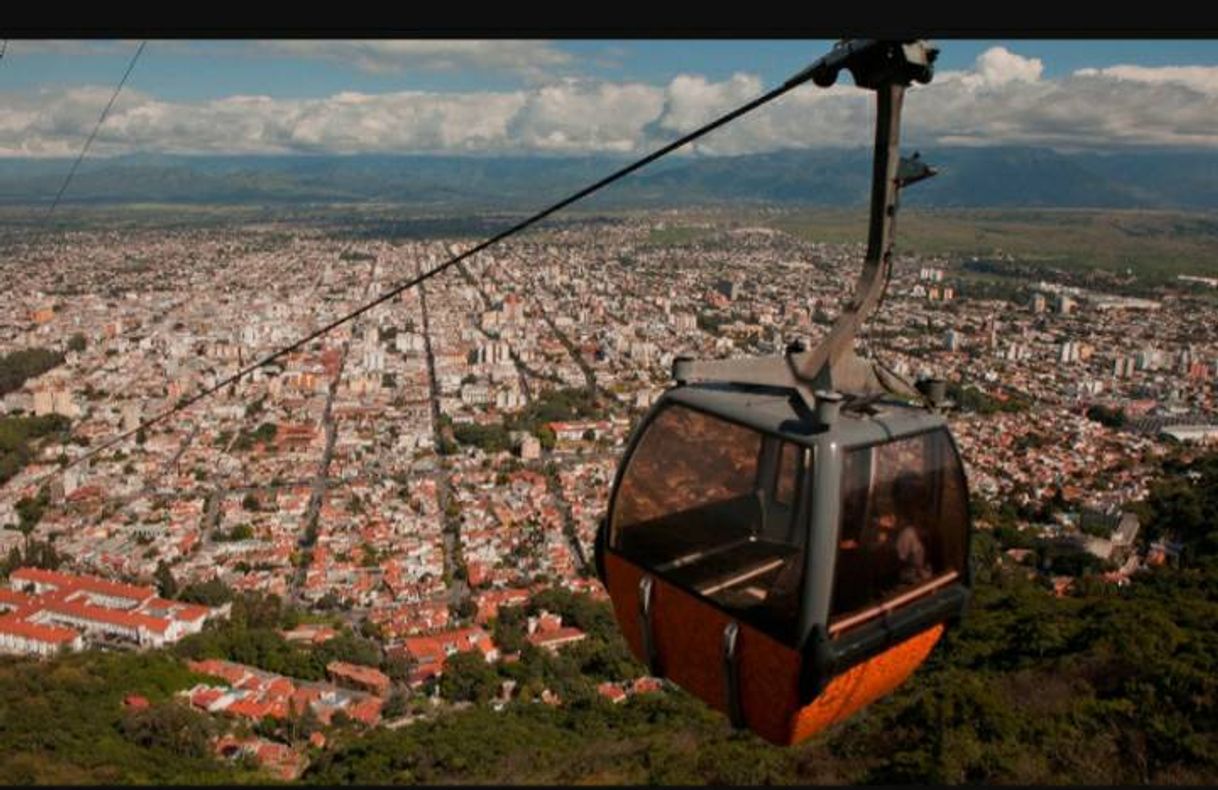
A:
[787, 537]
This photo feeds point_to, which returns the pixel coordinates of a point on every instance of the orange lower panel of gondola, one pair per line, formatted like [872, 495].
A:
[687, 637]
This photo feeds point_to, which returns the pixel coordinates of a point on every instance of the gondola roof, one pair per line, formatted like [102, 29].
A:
[783, 413]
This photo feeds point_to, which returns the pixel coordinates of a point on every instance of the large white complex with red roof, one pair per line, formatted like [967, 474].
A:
[45, 611]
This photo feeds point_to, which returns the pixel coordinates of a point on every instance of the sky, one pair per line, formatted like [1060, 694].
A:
[584, 97]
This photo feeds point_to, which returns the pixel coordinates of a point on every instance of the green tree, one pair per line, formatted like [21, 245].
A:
[398, 667]
[213, 592]
[370, 630]
[397, 705]
[1106, 416]
[169, 726]
[509, 631]
[30, 510]
[466, 608]
[18, 366]
[467, 677]
[13, 561]
[167, 586]
[304, 723]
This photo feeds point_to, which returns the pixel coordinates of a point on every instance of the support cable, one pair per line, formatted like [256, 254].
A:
[100, 120]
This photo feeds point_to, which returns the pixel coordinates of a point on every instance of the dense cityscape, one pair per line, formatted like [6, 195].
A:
[450, 452]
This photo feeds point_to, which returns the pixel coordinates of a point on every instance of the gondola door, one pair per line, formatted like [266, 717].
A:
[705, 562]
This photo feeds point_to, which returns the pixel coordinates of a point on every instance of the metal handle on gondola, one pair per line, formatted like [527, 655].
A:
[731, 675]
[649, 647]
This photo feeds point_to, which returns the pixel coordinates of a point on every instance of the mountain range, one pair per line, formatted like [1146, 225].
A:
[968, 177]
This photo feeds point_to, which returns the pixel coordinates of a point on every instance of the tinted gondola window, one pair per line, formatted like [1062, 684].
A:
[904, 522]
[714, 507]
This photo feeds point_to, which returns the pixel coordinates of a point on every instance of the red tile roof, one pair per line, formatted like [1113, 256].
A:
[14, 599]
[548, 622]
[280, 687]
[177, 610]
[100, 614]
[611, 692]
[250, 683]
[368, 711]
[49, 634]
[425, 670]
[93, 584]
[431, 648]
[301, 698]
[363, 675]
[135, 702]
[556, 638]
[310, 633]
[221, 669]
[203, 697]
[250, 709]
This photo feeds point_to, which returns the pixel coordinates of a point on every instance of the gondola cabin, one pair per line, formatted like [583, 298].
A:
[787, 537]
[786, 565]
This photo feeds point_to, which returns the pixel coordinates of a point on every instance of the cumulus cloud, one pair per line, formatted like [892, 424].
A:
[1004, 98]
[998, 66]
[1202, 79]
[570, 116]
[343, 123]
[839, 116]
[581, 115]
[1091, 108]
[692, 100]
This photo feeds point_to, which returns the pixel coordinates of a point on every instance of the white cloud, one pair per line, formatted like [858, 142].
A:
[581, 115]
[1203, 79]
[691, 100]
[568, 116]
[999, 66]
[1003, 99]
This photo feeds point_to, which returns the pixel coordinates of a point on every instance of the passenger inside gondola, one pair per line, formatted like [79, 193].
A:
[909, 545]
[902, 504]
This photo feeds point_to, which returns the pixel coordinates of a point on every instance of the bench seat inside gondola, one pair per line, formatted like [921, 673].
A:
[715, 550]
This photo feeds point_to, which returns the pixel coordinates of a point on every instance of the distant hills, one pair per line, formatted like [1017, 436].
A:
[969, 177]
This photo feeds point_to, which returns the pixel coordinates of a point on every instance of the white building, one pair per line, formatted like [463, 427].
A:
[24, 638]
[1201, 434]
